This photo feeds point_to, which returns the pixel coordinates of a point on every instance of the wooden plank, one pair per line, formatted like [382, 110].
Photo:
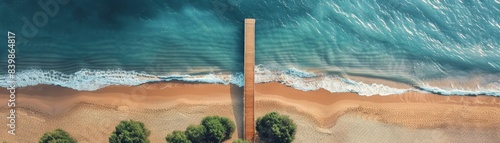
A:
[249, 65]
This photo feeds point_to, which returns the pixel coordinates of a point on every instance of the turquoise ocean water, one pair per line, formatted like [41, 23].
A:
[445, 47]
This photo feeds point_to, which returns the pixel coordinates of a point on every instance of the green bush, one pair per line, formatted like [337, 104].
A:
[56, 136]
[213, 129]
[177, 137]
[130, 132]
[276, 128]
[229, 125]
[241, 141]
[216, 132]
[218, 129]
[196, 134]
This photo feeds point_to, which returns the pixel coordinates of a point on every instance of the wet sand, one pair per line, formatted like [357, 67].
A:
[321, 116]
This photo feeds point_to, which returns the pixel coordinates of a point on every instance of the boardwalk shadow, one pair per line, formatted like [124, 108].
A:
[237, 101]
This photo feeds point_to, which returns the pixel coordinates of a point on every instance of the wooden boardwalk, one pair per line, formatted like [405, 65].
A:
[249, 65]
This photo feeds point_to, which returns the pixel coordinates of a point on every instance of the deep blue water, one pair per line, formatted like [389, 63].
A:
[447, 47]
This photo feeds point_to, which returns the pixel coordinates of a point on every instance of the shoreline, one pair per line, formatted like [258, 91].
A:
[189, 102]
[322, 104]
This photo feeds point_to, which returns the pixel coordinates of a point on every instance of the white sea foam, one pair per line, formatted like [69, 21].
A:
[84, 79]
[309, 81]
[89, 80]
[442, 91]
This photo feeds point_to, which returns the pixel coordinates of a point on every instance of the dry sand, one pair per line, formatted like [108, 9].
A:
[321, 116]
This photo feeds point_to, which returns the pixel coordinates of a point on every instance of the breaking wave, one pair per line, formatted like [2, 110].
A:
[90, 80]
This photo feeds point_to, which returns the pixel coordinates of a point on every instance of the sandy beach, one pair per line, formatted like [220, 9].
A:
[321, 116]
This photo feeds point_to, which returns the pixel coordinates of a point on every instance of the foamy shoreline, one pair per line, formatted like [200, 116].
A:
[157, 104]
[91, 80]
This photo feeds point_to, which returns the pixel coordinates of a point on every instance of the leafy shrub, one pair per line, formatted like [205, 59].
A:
[229, 125]
[276, 128]
[177, 137]
[213, 129]
[217, 128]
[196, 134]
[130, 132]
[57, 136]
[241, 141]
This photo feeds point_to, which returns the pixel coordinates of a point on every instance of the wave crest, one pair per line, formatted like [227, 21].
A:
[90, 80]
